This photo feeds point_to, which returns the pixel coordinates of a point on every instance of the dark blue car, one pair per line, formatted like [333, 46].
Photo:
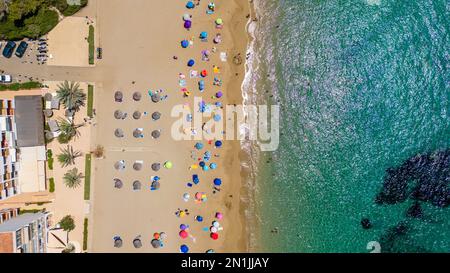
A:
[9, 49]
[20, 51]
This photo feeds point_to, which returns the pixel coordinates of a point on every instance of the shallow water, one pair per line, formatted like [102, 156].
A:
[363, 86]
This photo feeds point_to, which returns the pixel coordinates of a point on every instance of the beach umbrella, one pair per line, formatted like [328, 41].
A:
[119, 165]
[187, 24]
[48, 96]
[186, 17]
[137, 96]
[216, 224]
[202, 164]
[162, 235]
[219, 21]
[213, 229]
[118, 184]
[213, 166]
[190, 5]
[137, 133]
[186, 197]
[210, 251]
[48, 113]
[118, 242]
[205, 168]
[156, 178]
[118, 114]
[219, 94]
[198, 196]
[168, 165]
[198, 145]
[183, 227]
[214, 236]
[183, 234]
[217, 117]
[191, 63]
[137, 243]
[156, 235]
[203, 35]
[204, 73]
[184, 43]
[156, 115]
[137, 166]
[156, 167]
[156, 243]
[156, 185]
[184, 249]
[137, 185]
[218, 144]
[156, 134]
[219, 215]
[137, 115]
[156, 98]
[118, 133]
[217, 181]
[118, 96]
[199, 218]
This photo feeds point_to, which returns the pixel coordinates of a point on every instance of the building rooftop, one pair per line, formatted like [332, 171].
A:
[29, 121]
[20, 221]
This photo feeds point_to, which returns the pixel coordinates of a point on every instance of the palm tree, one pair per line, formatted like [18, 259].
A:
[72, 178]
[68, 129]
[67, 156]
[99, 151]
[71, 95]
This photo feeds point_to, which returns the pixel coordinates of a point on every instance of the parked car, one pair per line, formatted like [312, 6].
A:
[20, 51]
[99, 53]
[9, 49]
[5, 79]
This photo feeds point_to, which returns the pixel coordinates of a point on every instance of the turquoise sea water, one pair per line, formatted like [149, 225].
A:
[363, 85]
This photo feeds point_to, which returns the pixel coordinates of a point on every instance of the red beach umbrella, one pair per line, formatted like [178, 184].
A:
[183, 234]
[204, 73]
[214, 236]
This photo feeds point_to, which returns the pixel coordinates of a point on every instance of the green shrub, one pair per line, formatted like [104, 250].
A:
[23, 211]
[50, 159]
[87, 177]
[90, 103]
[20, 86]
[91, 41]
[85, 233]
[51, 187]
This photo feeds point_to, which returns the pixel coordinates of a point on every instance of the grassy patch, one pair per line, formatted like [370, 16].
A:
[90, 103]
[85, 234]
[23, 211]
[66, 9]
[50, 159]
[20, 86]
[87, 177]
[51, 184]
[91, 42]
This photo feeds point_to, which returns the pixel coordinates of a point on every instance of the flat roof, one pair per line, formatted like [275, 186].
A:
[20, 221]
[29, 121]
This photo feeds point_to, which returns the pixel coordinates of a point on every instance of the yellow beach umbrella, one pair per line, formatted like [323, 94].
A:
[168, 165]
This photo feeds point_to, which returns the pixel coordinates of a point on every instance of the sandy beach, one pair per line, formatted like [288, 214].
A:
[138, 57]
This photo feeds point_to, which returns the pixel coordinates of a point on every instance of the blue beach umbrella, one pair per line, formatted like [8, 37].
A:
[184, 249]
[203, 35]
[183, 227]
[199, 218]
[198, 145]
[184, 43]
[202, 164]
[218, 143]
[213, 166]
[206, 168]
[217, 117]
[195, 179]
[217, 181]
[190, 5]
[191, 63]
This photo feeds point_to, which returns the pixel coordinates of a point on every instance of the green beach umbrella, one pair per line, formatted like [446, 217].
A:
[168, 165]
